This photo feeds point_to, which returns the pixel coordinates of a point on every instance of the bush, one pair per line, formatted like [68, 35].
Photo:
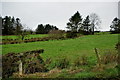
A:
[9, 64]
[31, 60]
[34, 66]
[62, 63]
[56, 34]
[71, 34]
[117, 46]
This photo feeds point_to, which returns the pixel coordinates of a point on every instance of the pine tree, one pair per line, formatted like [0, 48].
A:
[40, 29]
[74, 22]
[115, 27]
[86, 24]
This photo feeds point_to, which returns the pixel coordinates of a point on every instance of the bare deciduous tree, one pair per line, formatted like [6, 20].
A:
[95, 22]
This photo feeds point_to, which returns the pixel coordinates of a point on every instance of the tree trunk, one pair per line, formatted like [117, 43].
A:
[93, 29]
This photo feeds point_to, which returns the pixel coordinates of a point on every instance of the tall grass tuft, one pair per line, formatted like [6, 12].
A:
[62, 63]
[83, 60]
[109, 56]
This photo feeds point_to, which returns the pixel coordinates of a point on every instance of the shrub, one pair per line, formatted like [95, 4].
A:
[26, 41]
[83, 32]
[9, 64]
[117, 46]
[62, 63]
[32, 62]
[56, 34]
[34, 66]
[71, 34]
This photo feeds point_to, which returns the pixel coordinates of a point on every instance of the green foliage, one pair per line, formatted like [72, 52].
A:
[11, 26]
[86, 26]
[71, 34]
[19, 27]
[44, 29]
[40, 29]
[75, 22]
[7, 27]
[115, 27]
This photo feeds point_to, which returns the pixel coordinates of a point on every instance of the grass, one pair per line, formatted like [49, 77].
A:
[71, 49]
[28, 36]
[102, 33]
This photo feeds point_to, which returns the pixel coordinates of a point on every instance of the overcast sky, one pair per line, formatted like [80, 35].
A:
[58, 13]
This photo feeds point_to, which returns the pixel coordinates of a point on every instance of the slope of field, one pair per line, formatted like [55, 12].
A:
[70, 48]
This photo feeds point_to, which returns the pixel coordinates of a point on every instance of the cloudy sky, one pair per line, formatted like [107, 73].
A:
[58, 13]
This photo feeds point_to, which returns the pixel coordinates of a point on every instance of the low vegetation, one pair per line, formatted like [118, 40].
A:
[70, 59]
[30, 61]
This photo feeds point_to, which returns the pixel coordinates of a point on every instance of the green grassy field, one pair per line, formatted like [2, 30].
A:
[27, 37]
[70, 48]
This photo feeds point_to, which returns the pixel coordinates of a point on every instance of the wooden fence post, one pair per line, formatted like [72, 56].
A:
[98, 57]
[20, 68]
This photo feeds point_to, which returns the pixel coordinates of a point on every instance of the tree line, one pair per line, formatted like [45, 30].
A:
[13, 26]
[86, 26]
[45, 29]
[90, 24]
